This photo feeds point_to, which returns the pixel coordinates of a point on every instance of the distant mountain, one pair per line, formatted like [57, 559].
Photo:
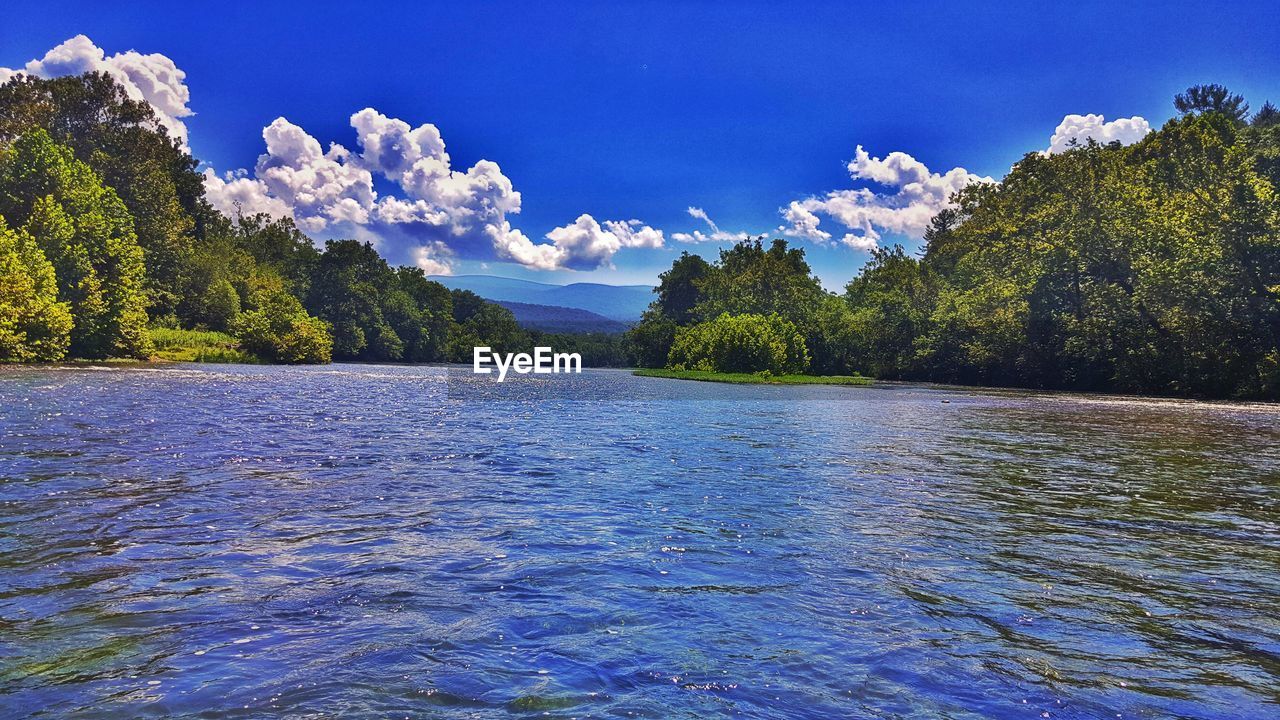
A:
[623, 303]
[550, 318]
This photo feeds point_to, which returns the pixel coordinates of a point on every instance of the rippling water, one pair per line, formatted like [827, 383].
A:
[222, 541]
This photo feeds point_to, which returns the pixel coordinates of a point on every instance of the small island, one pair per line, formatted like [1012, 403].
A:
[753, 378]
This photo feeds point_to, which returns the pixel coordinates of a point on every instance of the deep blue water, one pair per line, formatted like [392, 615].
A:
[352, 541]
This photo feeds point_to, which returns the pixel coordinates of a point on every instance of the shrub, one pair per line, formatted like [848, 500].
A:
[281, 331]
[740, 344]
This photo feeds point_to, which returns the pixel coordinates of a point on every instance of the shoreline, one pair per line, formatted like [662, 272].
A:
[752, 378]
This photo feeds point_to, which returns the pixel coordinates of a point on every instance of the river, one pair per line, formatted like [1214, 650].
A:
[388, 541]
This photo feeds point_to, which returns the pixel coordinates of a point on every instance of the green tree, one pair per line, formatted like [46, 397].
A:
[478, 322]
[740, 343]
[649, 341]
[892, 301]
[679, 289]
[280, 330]
[347, 291]
[1212, 98]
[221, 305]
[34, 325]
[426, 328]
[1267, 117]
[87, 234]
[125, 144]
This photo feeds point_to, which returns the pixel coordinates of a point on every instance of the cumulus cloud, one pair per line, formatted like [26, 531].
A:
[233, 194]
[583, 244]
[441, 213]
[908, 197]
[153, 78]
[434, 258]
[1078, 128]
[716, 234]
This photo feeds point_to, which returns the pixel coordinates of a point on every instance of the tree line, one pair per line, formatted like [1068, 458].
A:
[105, 232]
[1149, 268]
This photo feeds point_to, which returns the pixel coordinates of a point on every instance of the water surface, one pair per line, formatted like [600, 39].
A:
[347, 541]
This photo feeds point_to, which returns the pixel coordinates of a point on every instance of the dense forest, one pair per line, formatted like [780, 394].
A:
[1148, 268]
[106, 241]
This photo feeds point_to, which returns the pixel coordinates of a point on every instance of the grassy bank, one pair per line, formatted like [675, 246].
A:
[204, 346]
[753, 379]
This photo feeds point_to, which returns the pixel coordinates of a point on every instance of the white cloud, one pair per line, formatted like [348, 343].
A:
[859, 242]
[716, 234]
[584, 244]
[434, 258]
[803, 223]
[441, 214]
[1078, 128]
[320, 188]
[635, 234]
[233, 194]
[153, 78]
[911, 196]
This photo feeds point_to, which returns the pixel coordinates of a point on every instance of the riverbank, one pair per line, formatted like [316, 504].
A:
[206, 346]
[752, 378]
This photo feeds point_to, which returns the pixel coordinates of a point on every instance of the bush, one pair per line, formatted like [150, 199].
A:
[281, 331]
[740, 344]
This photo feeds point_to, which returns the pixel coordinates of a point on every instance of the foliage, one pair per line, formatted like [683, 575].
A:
[126, 146]
[1153, 268]
[596, 349]
[747, 279]
[740, 343]
[378, 313]
[87, 234]
[477, 322]
[34, 325]
[649, 341]
[279, 330]
[679, 289]
[753, 378]
[208, 346]
[1211, 99]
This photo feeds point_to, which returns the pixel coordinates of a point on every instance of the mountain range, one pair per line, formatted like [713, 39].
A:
[621, 303]
[556, 319]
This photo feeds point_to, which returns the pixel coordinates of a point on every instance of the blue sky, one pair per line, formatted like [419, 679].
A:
[644, 110]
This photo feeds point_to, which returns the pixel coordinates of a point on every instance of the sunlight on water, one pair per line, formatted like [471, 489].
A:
[391, 541]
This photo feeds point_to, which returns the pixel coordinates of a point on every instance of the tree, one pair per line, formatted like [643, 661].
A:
[1267, 117]
[478, 322]
[749, 279]
[649, 341]
[1212, 98]
[221, 305]
[281, 331]
[129, 149]
[678, 288]
[740, 344]
[432, 316]
[87, 234]
[34, 325]
[346, 291]
[891, 303]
